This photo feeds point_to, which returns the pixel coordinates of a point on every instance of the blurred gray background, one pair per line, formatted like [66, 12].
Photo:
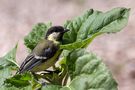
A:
[117, 50]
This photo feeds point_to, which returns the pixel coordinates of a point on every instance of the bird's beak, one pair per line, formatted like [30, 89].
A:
[65, 30]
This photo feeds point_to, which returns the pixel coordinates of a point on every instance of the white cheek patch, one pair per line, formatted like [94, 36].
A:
[53, 36]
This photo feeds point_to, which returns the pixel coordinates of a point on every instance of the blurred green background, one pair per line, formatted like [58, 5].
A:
[118, 50]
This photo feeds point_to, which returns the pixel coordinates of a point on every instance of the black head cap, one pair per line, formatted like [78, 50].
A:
[56, 29]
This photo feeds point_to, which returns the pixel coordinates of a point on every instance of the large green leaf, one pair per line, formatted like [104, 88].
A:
[38, 32]
[7, 64]
[88, 72]
[85, 28]
[74, 27]
[51, 87]
[79, 44]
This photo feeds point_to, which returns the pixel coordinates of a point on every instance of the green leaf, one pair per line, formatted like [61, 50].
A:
[15, 88]
[38, 32]
[51, 87]
[88, 72]
[86, 27]
[79, 44]
[19, 80]
[7, 63]
[66, 88]
[74, 27]
[9, 59]
[4, 73]
[23, 81]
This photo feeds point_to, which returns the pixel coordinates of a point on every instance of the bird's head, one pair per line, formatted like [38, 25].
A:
[55, 33]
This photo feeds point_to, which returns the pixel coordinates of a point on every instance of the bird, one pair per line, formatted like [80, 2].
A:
[46, 52]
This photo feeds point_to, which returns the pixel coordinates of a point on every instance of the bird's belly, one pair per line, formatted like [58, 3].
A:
[45, 65]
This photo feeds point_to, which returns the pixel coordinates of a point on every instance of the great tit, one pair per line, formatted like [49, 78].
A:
[46, 53]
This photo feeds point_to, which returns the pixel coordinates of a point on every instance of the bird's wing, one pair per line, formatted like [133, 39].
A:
[27, 60]
[28, 64]
[33, 59]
